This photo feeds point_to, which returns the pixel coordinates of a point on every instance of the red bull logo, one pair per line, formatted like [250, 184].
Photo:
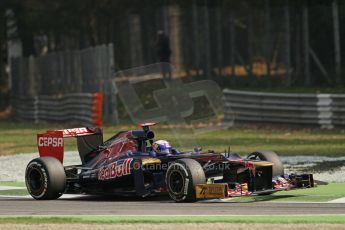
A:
[115, 170]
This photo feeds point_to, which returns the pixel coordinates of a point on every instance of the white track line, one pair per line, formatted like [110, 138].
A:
[4, 188]
[339, 200]
[65, 196]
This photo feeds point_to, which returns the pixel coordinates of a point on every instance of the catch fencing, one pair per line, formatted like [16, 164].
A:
[54, 78]
[325, 110]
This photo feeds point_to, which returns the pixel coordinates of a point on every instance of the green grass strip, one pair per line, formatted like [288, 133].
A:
[14, 192]
[12, 183]
[321, 193]
[20, 137]
[270, 219]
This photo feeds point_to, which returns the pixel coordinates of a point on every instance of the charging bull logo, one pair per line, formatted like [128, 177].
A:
[115, 170]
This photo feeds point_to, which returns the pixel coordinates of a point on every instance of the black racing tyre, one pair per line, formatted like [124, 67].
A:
[181, 178]
[278, 167]
[45, 178]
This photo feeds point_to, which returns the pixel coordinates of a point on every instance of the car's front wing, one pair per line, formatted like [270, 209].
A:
[280, 183]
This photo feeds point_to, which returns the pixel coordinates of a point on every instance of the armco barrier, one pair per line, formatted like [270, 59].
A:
[88, 70]
[325, 110]
[81, 108]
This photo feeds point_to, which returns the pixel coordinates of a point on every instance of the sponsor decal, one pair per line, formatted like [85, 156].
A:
[136, 165]
[249, 165]
[186, 184]
[202, 191]
[210, 191]
[76, 132]
[51, 145]
[115, 170]
[50, 142]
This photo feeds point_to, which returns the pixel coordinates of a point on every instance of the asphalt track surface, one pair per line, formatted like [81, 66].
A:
[157, 206]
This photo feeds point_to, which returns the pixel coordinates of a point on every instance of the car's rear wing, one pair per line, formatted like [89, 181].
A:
[51, 143]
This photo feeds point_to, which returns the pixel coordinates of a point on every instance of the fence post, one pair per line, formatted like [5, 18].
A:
[196, 43]
[207, 42]
[268, 37]
[111, 92]
[307, 80]
[31, 84]
[232, 45]
[219, 36]
[36, 109]
[337, 50]
[287, 43]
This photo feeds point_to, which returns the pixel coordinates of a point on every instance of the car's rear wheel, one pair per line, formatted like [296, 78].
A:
[45, 178]
[181, 178]
[277, 168]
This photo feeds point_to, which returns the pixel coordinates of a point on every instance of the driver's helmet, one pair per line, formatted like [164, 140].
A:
[161, 146]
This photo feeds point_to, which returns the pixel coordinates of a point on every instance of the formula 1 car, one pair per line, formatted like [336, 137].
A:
[126, 165]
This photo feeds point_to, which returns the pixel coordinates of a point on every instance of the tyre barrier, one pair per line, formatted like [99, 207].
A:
[80, 108]
[324, 110]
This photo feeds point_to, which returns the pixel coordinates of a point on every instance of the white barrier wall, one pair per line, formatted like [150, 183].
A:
[325, 110]
[80, 108]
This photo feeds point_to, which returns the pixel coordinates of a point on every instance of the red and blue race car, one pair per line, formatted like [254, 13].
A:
[133, 163]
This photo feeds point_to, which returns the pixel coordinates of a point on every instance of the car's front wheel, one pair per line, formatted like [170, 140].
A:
[181, 178]
[278, 167]
[45, 178]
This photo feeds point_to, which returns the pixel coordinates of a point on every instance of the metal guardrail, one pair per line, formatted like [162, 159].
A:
[81, 108]
[325, 110]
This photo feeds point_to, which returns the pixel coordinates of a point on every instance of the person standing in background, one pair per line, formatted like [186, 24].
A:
[164, 53]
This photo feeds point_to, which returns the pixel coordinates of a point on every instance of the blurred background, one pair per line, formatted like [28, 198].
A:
[60, 47]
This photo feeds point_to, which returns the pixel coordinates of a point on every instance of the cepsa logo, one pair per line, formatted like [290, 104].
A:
[50, 142]
[115, 170]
